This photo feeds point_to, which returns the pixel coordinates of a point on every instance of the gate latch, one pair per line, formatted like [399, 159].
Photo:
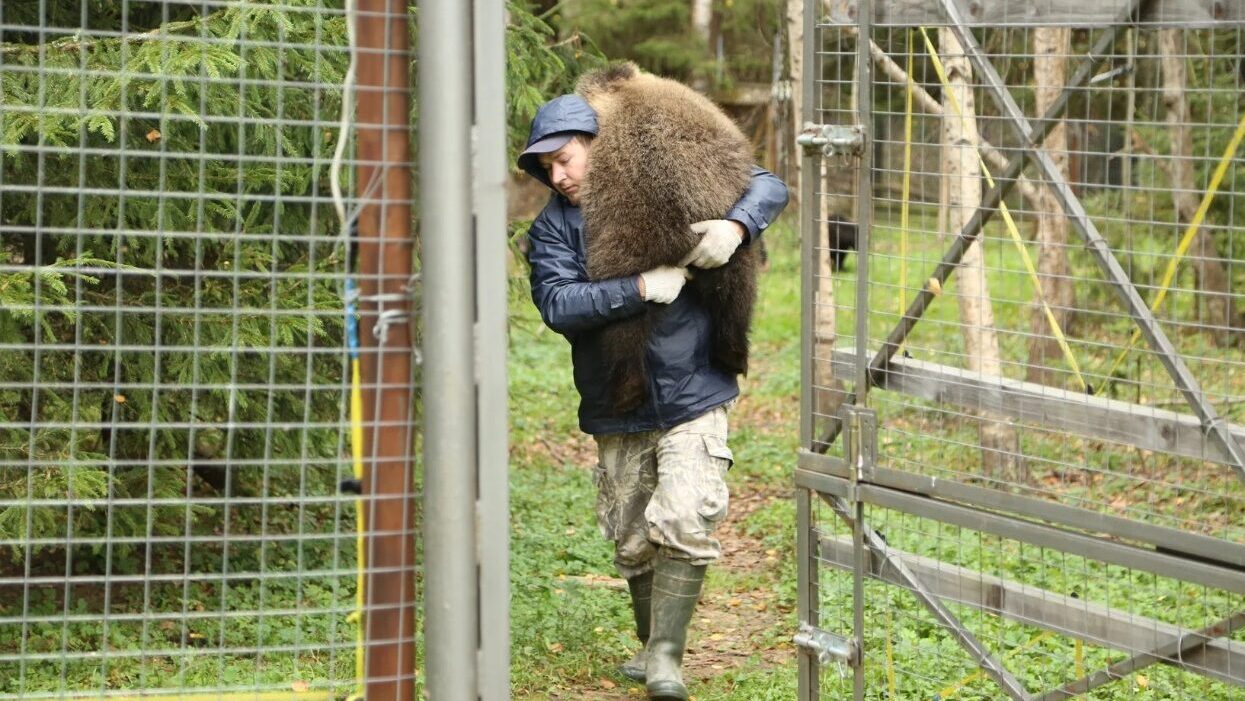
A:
[833, 139]
[827, 646]
[860, 440]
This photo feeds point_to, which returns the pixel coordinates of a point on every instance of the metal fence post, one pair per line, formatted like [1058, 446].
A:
[806, 600]
[451, 623]
[491, 317]
[864, 221]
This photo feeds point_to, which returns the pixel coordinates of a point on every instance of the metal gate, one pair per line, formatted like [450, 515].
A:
[1021, 471]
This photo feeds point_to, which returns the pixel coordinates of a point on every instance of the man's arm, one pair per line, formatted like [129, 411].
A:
[567, 300]
[760, 205]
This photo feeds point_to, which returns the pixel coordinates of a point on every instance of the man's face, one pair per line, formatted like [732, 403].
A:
[566, 168]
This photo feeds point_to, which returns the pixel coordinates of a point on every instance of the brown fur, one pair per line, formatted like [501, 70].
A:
[665, 157]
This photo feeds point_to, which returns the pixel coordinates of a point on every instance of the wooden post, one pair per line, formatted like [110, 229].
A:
[385, 250]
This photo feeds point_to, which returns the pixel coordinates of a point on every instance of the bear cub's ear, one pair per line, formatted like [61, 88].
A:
[606, 79]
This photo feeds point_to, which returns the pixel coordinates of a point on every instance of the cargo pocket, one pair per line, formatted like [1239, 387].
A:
[715, 496]
[605, 502]
[716, 447]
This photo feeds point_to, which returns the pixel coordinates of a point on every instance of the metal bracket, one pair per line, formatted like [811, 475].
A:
[781, 91]
[826, 646]
[832, 139]
[861, 440]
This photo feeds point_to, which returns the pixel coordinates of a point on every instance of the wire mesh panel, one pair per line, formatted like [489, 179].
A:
[174, 381]
[1054, 492]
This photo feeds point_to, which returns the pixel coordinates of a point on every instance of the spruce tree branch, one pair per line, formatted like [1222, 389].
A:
[573, 38]
[74, 43]
[549, 13]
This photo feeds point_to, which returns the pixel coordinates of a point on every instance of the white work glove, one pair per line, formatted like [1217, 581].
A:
[663, 284]
[718, 241]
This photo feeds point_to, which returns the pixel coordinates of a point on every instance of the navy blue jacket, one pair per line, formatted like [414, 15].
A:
[684, 384]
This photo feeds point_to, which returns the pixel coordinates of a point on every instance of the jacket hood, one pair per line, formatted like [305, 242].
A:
[566, 114]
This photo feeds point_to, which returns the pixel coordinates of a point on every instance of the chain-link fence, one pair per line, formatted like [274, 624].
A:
[1023, 455]
[180, 455]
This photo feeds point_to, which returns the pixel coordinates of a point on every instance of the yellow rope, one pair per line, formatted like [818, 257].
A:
[948, 692]
[1012, 229]
[356, 449]
[1195, 225]
[890, 655]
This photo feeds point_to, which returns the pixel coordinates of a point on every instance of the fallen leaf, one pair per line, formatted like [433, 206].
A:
[300, 685]
[607, 684]
[555, 647]
[1142, 681]
[118, 398]
[935, 286]
[153, 136]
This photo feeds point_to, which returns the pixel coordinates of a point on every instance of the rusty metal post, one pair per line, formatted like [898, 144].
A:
[385, 264]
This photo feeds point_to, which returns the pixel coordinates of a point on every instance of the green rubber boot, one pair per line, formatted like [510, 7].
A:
[641, 587]
[676, 589]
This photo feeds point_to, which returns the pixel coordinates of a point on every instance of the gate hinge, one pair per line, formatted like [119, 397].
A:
[860, 441]
[833, 139]
[827, 646]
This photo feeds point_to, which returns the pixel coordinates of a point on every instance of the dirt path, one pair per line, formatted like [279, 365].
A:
[729, 623]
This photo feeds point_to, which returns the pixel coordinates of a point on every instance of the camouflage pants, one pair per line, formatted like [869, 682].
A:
[663, 492]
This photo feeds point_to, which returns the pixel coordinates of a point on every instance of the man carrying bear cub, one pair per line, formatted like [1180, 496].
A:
[661, 468]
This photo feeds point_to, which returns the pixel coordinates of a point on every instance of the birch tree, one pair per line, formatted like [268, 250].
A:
[962, 173]
[702, 19]
[795, 48]
[1051, 47]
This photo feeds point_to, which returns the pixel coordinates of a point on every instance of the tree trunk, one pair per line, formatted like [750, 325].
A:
[795, 50]
[962, 171]
[702, 19]
[1051, 46]
[828, 393]
[1212, 280]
